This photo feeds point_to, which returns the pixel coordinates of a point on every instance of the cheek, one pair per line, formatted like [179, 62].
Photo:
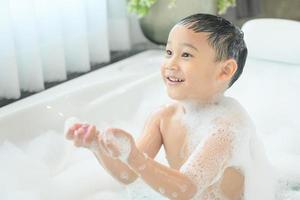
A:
[162, 71]
[194, 75]
[200, 80]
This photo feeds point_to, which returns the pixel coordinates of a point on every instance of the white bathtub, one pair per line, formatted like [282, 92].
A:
[268, 90]
[48, 109]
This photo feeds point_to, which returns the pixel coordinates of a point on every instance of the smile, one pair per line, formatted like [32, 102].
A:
[174, 80]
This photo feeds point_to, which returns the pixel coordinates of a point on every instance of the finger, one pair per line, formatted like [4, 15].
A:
[94, 142]
[77, 125]
[84, 130]
[77, 142]
[99, 134]
[113, 149]
[90, 134]
[108, 149]
[70, 134]
[103, 148]
[80, 133]
[111, 146]
[71, 130]
[78, 137]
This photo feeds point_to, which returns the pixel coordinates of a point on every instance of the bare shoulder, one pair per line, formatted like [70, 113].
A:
[166, 111]
[160, 115]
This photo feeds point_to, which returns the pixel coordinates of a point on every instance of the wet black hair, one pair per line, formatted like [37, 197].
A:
[226, 38]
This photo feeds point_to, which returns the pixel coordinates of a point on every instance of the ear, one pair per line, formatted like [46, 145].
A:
[227, 70]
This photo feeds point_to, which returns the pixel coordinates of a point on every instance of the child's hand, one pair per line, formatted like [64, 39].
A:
[115, 143]
[119, 144]
[83, 135]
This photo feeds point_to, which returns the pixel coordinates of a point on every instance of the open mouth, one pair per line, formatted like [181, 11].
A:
[174, 80]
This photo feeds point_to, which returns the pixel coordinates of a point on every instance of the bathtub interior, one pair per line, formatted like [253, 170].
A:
[41, 164]
[49, 109]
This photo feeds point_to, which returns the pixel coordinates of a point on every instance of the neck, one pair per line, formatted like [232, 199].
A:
[198, 105]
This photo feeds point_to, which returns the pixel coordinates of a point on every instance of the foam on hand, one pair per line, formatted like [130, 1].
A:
[123, 144]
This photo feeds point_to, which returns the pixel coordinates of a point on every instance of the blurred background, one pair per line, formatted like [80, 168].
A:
[47, 42]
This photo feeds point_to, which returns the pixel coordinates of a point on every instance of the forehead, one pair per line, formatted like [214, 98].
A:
[181, 34]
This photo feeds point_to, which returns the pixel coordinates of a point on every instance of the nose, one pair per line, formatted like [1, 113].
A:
[171, 64]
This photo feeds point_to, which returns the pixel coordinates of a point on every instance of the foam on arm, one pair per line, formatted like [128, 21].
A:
[165, 180]
[210, 158]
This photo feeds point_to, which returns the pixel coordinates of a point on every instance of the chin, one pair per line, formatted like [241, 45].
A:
[176, 96]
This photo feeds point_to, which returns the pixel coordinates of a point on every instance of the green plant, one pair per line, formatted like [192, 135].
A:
[223, 5]
[141, 7]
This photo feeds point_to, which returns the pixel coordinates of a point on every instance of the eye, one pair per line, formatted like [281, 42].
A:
[186, 55]
[168, 52]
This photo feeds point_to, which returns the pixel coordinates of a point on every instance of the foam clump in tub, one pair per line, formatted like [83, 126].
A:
[48, 167]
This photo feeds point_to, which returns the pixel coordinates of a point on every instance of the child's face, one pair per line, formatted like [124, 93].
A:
[189, 69]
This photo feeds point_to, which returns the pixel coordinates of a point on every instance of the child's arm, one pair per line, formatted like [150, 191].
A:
[150, 142]
[205, 164]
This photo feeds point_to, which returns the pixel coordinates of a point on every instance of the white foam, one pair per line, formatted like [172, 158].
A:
[139, 190]
[43, 169]
[251, 159]
[123, 143]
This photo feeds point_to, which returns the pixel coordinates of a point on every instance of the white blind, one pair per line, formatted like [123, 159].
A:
[43, 40]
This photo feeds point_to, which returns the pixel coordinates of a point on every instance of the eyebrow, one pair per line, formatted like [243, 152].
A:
[187, 44]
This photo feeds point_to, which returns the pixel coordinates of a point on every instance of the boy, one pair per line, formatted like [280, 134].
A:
[201, 131]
